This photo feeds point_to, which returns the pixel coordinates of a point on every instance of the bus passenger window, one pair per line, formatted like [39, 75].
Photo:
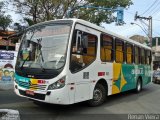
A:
[129, 53]
[148, 57]
[106, 48]
[137, 55]
[84, 47]
[142, 56]
[119, 51]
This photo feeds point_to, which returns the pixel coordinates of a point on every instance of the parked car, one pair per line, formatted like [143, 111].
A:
[156, 76]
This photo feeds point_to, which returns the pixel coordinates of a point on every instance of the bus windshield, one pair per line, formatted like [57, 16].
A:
[44, 47]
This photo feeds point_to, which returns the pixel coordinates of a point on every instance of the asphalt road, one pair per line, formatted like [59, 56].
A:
[117, 107]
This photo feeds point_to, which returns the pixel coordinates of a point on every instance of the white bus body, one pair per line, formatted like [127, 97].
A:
[79, 84]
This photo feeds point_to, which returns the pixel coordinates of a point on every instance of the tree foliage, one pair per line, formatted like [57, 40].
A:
[42, 10]
[5, 20]
[18, 27]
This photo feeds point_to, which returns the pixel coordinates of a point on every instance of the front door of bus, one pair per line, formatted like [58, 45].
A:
[83, 59]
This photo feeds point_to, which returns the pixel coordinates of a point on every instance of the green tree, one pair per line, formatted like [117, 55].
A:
[1, 6]
[42, 10]
[5, 20]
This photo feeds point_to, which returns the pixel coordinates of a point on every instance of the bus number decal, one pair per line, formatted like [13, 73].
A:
[137, 71]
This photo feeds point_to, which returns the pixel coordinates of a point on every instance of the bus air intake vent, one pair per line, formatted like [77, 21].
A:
[32, 86]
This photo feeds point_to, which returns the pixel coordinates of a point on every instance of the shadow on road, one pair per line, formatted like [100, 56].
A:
[32, 110]
[52, 111]
[111, 100]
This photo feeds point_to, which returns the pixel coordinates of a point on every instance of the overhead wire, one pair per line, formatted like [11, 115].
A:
[156, 19]
[143, 25]
[156, 9]
[153, 9]
[157, 13]
[156, 33]
[148, 11]
[150, 7]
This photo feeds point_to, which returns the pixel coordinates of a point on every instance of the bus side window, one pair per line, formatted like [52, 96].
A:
[145, 52]
[106, 48]
[142, 56]
[139, 58]
[77, 42]
[129, 53]
[84, 48]
[137, 55]
[148, 57]
[119, 51]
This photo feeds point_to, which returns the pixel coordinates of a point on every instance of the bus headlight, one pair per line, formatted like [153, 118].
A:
[58, 84]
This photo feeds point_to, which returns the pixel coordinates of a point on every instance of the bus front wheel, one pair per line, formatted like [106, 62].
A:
[99, 95]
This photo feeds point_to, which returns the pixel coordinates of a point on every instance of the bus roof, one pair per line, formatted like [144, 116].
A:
[86, 23]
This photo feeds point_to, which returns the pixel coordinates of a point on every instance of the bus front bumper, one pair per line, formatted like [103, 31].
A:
[58, 96]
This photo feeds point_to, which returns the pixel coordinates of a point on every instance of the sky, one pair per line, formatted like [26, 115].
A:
[145, 8]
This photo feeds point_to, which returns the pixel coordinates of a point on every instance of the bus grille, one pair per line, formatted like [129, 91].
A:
[31, 86]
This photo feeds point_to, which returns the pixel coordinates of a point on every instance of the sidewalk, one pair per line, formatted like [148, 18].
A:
[6, 85]
[8, 114]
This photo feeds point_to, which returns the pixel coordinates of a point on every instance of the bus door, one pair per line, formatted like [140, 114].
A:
[82, 62]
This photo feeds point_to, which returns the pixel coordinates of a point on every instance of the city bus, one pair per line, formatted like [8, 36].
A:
[68, 61]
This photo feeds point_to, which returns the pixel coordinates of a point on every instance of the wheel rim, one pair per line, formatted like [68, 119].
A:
[97, 95]
[139, 86]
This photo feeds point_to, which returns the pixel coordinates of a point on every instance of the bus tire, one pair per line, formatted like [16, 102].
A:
[139, 86]
[99, 96]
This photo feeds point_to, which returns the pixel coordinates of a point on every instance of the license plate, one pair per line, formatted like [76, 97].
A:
[28, 92]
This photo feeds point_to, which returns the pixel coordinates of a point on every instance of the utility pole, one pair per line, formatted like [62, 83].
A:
[150, 29]
[149, 25]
